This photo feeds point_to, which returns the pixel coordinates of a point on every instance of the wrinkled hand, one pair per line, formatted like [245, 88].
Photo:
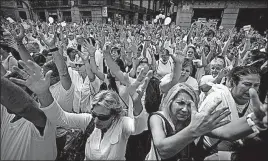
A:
[33, 77]
[207, 119]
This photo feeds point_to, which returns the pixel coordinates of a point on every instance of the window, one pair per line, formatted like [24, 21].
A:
[42, 16]
[213, 14]
[19, 4]
[65, 2]
[86, 15]
[67, 16]
[83, 1]
[23, 15]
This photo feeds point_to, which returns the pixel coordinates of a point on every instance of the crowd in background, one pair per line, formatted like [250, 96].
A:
[132, 92]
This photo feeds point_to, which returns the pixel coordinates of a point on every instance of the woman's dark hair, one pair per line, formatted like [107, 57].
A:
[238, 71]
[39, 59]
[153, 96]
[117, 49]
[188, 62]
[15, 74]
[45, 53]
[112, 83]
[69, 50]
[50, 65]
[209, 32]
[11, 50]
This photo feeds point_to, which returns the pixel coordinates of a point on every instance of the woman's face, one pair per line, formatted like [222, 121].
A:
[232, 53]
[165, 57]
[114, 54]
[102, 117]
[190, 53]
[210, 37]
[181, 108]
[72, 55]
[143, 66]
[241, 90]
[215, 69]
[185, 72]
[206, 50]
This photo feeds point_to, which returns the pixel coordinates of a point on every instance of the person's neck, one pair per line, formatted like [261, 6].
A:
[5, 55]
[240, 101]
[179, 125]
[183, 79]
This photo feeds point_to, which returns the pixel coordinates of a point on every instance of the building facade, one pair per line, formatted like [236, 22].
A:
[229, 13]
[100, 11]
[16, 9]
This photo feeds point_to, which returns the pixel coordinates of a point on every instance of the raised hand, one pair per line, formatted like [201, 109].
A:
[207, 119]
[19, 37]
[52, 43]
[138, 87]
[223, 73]
[260, 110]
[33, 77]
[178, 56]
[89, 46]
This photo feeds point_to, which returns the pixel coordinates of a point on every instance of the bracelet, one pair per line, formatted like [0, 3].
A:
[54, 49]
[252, 124]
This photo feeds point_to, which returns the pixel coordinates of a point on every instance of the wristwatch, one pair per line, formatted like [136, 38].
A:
[251, 123]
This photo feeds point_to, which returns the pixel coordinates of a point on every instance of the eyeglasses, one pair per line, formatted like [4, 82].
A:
[101, 118]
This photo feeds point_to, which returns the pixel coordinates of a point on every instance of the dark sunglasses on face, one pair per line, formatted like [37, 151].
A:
[101, 118]
[79, 65]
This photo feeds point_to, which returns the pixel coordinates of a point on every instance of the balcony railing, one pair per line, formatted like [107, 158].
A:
[44, 4]
[132, 7]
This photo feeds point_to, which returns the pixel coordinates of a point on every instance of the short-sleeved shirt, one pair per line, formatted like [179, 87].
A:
[190, 81]
[21, 140]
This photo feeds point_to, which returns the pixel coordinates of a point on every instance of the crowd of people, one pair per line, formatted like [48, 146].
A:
[94, 91]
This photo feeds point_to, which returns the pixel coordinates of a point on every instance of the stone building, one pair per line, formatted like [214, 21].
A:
[122, 11]
[230, 13]
[16, 9]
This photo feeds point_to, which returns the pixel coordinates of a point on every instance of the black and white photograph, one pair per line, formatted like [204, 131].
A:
[134, 80]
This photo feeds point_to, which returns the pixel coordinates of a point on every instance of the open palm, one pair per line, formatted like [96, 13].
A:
[34, 78]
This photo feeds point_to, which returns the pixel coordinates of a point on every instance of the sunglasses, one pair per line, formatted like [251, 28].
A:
[79, 65]
[101, 118]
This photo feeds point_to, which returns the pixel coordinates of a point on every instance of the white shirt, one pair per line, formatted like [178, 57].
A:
[22, 141]
[163, 69]
[190, 81]
[113, 144]
[64, 98]
[83, 91]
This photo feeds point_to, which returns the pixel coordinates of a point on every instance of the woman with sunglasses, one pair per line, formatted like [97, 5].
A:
[112, 129]
[178, 124]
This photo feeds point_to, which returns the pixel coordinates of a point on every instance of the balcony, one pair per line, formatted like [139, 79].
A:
[85, 3]
[130, 7]
[51, 3]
